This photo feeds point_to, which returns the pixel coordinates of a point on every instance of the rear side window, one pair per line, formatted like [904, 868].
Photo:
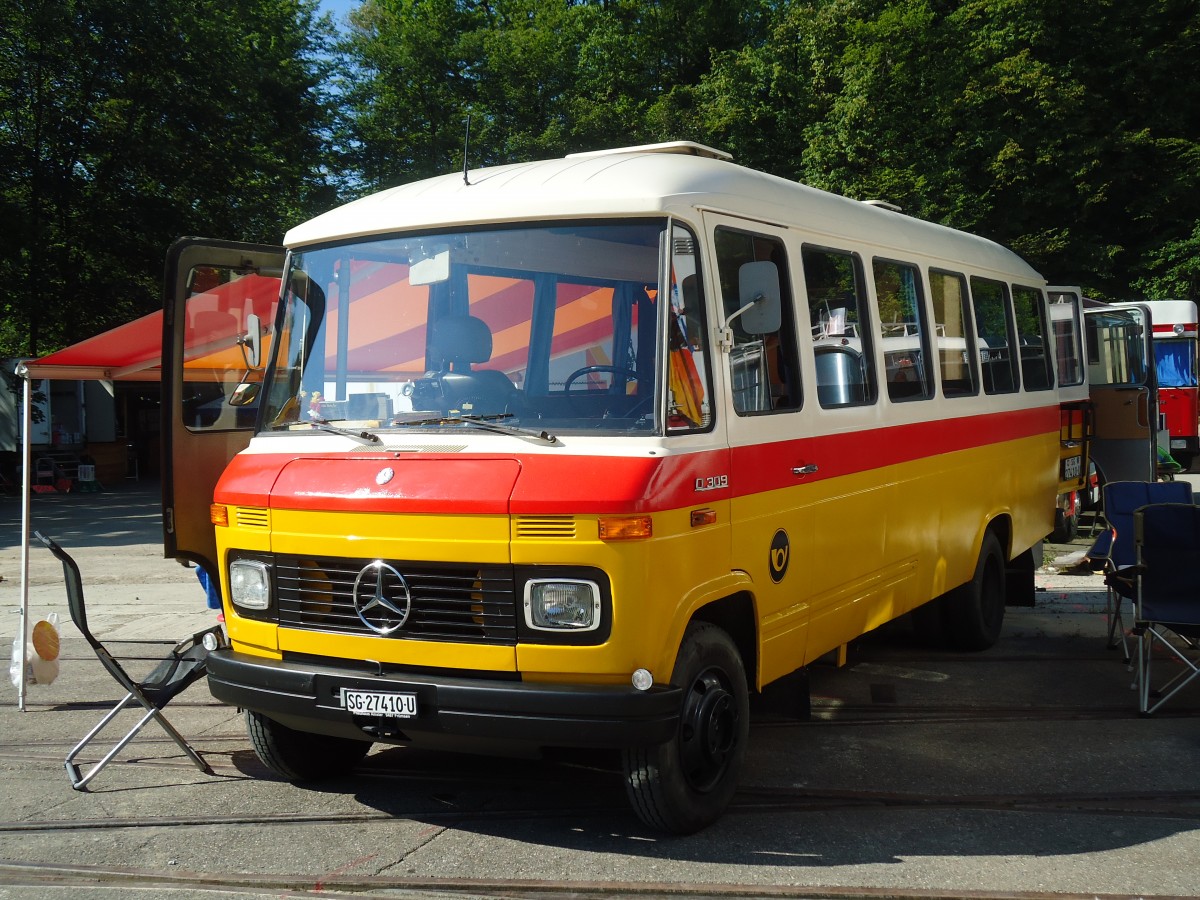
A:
[993, 324]
[1064, 324]
[1032, 338]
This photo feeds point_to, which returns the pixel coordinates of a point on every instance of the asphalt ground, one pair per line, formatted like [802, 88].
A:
[1022, 771]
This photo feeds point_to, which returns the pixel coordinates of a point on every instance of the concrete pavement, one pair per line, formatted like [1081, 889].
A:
[1024, 770]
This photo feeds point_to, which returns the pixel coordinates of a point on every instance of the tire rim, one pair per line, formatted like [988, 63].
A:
[708, 730]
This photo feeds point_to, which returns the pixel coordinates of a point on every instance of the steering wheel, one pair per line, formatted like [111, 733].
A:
[615, 371]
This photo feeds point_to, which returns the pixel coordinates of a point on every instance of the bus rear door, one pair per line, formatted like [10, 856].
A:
[219, 308]
[1075, 409]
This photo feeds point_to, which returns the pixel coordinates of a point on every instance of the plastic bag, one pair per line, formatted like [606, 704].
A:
[41, 654]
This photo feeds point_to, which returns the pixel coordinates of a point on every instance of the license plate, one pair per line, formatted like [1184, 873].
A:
[378, 703]
[1072, 468]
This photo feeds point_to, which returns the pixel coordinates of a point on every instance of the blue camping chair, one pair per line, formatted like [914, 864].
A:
[1167, 614]
[1114, 547]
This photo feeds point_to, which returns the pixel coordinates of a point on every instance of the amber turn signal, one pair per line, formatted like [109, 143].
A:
[626, 528]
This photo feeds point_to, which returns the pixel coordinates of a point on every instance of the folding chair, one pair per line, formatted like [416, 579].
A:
[183, 666]
[1114, 547]
[1167, 615]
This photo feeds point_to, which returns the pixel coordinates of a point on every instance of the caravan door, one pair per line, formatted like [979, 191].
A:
[1124, 391]
[218, 319]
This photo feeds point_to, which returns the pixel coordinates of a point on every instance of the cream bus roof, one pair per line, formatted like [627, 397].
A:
[1171, 312]
[677, 177]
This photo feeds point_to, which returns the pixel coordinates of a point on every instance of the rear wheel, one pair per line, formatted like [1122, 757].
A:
[974, 613]
[685, 784]
[300, 756]
[1066, 527]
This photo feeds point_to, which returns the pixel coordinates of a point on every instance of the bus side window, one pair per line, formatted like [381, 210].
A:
[1029, 306]
[840, 328]
[764, 368]
[902, 331]
[955, 339]
[996, 340]
[1064, 323]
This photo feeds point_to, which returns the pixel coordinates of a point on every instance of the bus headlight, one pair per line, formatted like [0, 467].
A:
[250, 584]
[562, 604]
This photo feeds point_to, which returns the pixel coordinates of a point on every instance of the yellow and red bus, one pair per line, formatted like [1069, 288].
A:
[584, 452]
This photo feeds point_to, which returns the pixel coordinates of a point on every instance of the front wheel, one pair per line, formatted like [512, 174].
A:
[685, 784]
[300, 756]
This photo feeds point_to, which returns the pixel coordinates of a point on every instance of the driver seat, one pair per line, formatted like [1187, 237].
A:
[460, 343]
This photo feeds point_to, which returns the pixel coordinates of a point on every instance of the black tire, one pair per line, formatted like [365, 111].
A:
[974, 613]
[685, 784]
[300, 756]
[1066, 528]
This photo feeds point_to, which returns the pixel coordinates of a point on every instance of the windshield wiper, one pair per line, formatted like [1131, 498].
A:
[486, 423]
[363, 437]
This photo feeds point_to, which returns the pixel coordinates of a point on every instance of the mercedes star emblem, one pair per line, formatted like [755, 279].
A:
[381, 597]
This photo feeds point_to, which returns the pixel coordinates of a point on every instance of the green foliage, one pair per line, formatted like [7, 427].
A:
[124, 125]
[1067, 130]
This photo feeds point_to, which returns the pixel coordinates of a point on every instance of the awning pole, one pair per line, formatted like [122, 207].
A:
[26, 497]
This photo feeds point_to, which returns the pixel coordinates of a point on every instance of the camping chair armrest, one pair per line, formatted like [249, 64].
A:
[1102, 547]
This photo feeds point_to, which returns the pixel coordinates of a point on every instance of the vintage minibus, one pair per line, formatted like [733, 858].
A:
[585, 452]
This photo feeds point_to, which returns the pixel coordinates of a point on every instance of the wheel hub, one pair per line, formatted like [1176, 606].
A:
[709, 730]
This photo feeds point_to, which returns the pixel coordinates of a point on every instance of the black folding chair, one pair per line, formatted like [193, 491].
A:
[184, 665]
[1167, 616]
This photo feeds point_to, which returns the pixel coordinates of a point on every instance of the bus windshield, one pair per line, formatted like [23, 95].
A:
[546, 327]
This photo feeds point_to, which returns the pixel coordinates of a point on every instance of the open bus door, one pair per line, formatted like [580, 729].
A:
[218, 319]
[1124, 391]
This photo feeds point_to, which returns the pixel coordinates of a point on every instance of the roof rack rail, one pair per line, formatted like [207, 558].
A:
[684, 148]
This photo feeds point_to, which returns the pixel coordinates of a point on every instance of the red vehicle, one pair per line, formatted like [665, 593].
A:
[1175, 357]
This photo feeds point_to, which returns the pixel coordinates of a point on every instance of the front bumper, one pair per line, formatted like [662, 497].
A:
[307, 697]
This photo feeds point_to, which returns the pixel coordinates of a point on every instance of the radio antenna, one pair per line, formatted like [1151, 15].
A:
[466, 147]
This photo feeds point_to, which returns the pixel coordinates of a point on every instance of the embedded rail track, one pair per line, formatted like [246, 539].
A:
[114, 879]
[582, 790]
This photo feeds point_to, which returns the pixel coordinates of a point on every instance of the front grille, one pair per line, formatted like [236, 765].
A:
[450, 602]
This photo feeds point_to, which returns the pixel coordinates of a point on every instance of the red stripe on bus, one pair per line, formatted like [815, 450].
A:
[549, 484]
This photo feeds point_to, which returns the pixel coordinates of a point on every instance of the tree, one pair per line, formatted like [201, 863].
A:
[537, 78]
[1063, 130]
[411, 87]
[124, 125]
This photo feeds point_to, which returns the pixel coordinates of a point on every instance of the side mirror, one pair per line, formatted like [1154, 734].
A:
[245, 393]
[759, 298]
[251, 342]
